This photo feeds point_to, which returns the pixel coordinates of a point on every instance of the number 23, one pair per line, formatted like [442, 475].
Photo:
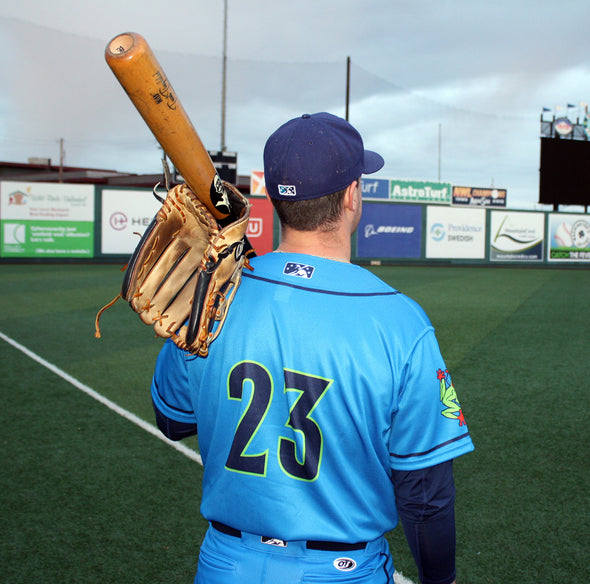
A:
[311, 390]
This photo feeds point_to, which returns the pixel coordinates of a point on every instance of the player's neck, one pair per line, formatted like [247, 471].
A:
[332, 245]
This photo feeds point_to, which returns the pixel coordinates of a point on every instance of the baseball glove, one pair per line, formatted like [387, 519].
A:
[184, 273]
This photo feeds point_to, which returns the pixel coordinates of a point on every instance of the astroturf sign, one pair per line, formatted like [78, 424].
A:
[417, 191]
[569, 238]
[46, 220]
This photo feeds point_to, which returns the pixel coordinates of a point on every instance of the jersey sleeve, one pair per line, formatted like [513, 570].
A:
[170, 385]
[428, 426]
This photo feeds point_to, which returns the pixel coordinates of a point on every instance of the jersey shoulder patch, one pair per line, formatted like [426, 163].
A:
[298, 270]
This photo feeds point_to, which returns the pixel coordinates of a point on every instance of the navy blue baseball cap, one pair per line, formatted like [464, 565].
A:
[315, 155]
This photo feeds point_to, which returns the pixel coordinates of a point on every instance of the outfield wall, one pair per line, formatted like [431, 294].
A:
[475, 235]
[53, 221]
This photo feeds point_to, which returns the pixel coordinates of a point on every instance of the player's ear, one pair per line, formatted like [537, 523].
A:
[353, 196]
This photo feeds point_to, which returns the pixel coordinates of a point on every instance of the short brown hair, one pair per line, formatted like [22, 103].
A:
[319, 213]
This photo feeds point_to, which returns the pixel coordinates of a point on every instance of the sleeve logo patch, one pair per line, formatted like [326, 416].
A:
[298, 270]
[448, 397]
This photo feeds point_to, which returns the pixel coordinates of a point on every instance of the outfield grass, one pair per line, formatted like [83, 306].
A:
[89, 497]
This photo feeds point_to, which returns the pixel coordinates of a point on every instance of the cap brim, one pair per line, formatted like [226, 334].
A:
[373, 162]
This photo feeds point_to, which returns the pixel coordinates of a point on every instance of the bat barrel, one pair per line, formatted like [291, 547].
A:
[143, 79]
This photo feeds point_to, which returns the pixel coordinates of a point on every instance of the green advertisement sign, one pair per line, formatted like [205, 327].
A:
[417, 191]
[47, 239]
[46, 220]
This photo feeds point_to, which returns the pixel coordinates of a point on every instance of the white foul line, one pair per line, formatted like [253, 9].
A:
[103, 400]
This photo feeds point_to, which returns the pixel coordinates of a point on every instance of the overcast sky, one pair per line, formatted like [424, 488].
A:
[449, 88]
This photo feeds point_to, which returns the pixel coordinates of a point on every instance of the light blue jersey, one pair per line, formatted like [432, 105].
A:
[322, 380]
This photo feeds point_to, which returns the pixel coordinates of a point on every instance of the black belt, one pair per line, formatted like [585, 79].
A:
[327, 546]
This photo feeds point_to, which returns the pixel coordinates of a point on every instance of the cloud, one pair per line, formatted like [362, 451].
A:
[475, 74]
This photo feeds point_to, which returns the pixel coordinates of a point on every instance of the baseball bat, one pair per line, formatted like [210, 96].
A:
[143, 79]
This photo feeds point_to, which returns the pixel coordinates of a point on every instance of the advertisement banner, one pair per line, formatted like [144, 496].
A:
[257, 184]
[455, 233]
[407, 191]
[375, 188]
[481, 197]
[569, 238]
[517, 236]
[261, 225]
[417, 191]
[390, 231]
[125, 215]
[46, 220]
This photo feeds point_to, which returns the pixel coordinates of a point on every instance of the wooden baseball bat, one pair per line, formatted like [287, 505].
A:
[141, 76]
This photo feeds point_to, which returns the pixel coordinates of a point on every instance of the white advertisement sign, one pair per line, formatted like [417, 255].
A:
[569, 238]
[516, 236]
[46, 201]
[454, 233]
[125, 216]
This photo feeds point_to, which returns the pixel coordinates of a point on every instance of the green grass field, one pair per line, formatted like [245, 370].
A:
[89, 497]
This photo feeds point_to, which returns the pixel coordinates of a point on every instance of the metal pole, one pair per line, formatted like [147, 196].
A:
[223, 80]
[347, 86]
[61, 159]
[439, 149]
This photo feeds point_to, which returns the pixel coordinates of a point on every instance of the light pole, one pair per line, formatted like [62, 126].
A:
[223, 76]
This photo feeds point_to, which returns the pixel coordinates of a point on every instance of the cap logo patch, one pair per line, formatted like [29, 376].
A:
[287, 190]
[298, 270]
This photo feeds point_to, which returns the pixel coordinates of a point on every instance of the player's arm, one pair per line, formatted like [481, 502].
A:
[426, 505]
[173, 429]
[173, 408]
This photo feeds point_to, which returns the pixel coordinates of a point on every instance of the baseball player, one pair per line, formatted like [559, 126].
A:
[324, 410]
